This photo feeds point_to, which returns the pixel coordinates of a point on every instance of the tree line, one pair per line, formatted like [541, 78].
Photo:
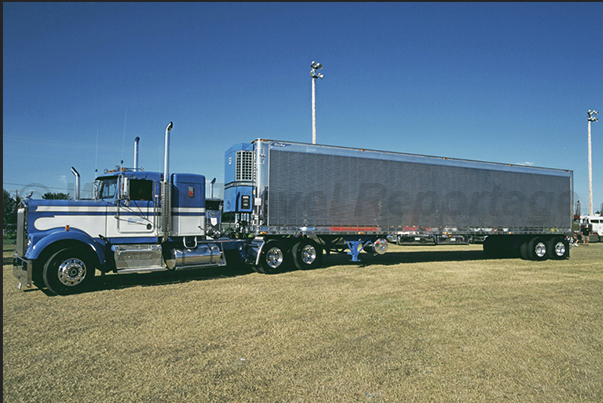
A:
[10, 205]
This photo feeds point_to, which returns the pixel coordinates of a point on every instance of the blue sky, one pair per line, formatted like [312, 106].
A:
[503, 82]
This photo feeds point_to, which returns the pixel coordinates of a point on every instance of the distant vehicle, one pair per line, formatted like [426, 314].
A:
[596, 223]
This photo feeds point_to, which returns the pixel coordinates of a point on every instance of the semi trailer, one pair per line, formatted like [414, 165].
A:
[285, 205]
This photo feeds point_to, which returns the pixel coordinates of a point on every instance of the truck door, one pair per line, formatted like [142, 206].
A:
[136, 213]
[105, 190]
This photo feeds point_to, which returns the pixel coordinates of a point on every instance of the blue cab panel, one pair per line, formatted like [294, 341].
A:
[188, 190]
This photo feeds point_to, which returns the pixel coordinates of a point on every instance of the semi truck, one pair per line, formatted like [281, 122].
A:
[595, 224]
[285, 205]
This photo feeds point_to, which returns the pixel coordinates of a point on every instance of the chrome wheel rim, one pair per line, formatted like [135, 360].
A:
[559, 249]
[308, 254]
[274, 257]
[380, 246]
[72, 272]
[540, 249]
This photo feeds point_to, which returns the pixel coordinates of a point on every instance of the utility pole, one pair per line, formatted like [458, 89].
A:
[591, 118]
[315, 66]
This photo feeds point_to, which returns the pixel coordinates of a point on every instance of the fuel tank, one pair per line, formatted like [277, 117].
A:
[208, 254]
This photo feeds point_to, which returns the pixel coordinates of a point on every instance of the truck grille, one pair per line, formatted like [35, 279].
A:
[21, 231]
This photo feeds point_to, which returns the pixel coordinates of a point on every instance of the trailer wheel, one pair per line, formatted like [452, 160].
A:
[537, 249]
[273, 258]
[307, 254]
[524, 251]
[558, 248]
[68, 271]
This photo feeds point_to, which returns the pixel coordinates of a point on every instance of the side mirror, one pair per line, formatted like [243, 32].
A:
[124, 191]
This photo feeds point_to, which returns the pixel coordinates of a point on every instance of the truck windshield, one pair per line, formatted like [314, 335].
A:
[106, 188]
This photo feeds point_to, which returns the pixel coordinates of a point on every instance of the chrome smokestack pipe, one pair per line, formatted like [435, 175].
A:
[166, 189]
[136, 140]
[77, 183]
[211, 188]
[166, 158]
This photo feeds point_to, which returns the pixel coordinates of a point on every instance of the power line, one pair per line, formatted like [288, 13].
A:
[33, 184]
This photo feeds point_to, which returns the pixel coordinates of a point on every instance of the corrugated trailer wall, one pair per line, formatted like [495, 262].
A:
[321, 186]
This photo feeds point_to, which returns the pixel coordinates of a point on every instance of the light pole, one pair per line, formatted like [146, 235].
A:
[315, 66]
[591, 118]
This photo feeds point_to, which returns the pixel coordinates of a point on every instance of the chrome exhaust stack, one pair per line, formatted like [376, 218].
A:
[77, 183]
[211, 188]
[166, 157]
[166, 188]
[136, 140]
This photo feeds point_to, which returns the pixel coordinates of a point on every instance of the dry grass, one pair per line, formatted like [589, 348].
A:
[422, 324]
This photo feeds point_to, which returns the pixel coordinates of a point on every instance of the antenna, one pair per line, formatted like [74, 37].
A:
[96, 157]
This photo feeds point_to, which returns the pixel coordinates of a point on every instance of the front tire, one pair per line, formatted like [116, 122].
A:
[68, 271]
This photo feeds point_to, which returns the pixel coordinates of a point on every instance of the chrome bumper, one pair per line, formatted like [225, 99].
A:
[22, 269]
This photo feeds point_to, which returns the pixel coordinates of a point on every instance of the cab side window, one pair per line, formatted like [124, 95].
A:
[107, 188]
[141, 189]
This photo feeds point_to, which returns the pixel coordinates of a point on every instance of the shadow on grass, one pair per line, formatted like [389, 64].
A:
[394, 258]
[7, 260]
[114, 281]
[121, 281]
[129, 280]
[8, 245]
[150, 279]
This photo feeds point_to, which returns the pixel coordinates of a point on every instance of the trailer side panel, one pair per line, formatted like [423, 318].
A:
[329, 189]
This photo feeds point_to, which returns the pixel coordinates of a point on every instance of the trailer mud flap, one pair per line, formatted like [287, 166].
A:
[253, 250]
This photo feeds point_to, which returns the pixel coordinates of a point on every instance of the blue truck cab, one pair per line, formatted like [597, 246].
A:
[61, 243]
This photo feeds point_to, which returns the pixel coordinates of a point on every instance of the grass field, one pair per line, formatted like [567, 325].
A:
[419, 324]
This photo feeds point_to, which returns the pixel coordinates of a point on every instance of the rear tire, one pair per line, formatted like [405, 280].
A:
[537, 249]
[68, 271]
[273, 258]
[524, 251]
[307, 254]
[558, 248]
